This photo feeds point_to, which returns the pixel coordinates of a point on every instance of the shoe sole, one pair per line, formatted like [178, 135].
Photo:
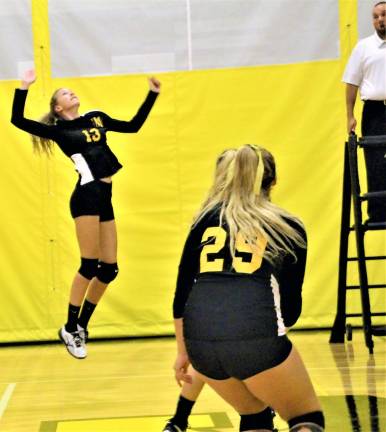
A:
[69, 352]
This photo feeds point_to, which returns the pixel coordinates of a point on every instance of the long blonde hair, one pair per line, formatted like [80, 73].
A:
[46, 145]
[243, 197]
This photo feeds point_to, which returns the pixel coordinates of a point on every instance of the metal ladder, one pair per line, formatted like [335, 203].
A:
[351, 189]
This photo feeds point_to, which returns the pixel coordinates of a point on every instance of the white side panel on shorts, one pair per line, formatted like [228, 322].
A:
[83, 169]
[276, 298]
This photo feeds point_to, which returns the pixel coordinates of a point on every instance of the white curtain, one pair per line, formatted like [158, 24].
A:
[15, 38]
[103, 38]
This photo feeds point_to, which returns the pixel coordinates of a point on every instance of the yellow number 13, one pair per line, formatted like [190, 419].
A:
[92, 134]
[238, 264]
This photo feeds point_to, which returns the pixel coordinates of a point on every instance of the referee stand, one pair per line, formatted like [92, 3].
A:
[374, 148]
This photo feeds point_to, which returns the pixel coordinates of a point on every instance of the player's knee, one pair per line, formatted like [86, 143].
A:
[88, 267]
[310, 422]
[261, 420]
[306, 427]
[107, 272]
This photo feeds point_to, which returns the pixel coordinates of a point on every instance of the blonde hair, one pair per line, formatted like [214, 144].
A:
[46, 145]
[214, 197]
[244, 203]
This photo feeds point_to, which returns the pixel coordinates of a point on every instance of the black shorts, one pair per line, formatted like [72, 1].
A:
[237, 359]
[233, 328]
[92, 199]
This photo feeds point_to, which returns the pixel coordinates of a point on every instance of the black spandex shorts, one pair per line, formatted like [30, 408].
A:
[232, 327]
[239, 359]
[91, 199]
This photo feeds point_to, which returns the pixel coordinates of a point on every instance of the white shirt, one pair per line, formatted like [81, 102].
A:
[366, 68]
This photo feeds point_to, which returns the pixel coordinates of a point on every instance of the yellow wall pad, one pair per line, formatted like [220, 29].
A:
[167, 170]
[297, 111]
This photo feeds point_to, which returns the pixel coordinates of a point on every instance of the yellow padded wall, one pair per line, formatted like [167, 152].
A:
[296, 111]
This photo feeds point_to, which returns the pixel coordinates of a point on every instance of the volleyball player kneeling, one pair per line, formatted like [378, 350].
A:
[238, 289]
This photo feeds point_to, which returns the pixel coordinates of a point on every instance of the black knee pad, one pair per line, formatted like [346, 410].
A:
[88, 267]
[313, 420]
[261, 420]
[106, 272]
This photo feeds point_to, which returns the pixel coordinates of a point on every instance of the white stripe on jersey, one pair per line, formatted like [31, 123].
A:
[83, 168]
[281, 330]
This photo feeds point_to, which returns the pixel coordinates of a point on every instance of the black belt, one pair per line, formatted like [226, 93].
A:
[378, 102]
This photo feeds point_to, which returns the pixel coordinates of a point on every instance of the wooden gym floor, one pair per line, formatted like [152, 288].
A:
[129, 386]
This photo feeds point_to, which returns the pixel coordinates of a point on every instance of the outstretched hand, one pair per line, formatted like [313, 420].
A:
[154, 85]
[29, 77]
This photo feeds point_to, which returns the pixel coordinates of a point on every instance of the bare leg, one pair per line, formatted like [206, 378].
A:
[78, 289]
[107, 254]
[87, 231]
[287, 388]
[187, 399]
[95, 290]
[233, 391]
[193, 390]
[237, 394]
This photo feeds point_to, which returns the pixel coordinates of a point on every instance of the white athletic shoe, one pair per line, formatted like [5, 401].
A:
[73, 343]
[83, 333]
[171, 427]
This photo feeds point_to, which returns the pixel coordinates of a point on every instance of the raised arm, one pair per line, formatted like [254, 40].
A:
[18, 119]
[135, 124]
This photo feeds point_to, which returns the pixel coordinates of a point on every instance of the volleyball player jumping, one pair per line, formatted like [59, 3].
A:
[83, 139]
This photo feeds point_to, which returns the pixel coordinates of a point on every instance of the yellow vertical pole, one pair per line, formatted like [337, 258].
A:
[41, 94]
[348, 26]
[348, 29]
[41, 41]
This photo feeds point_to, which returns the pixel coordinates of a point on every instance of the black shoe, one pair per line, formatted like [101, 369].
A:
[171, 427]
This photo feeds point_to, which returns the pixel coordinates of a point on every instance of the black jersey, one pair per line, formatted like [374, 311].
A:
[84, 138]
[207, 254]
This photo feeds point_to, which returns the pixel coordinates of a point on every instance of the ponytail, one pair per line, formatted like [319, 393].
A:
[46, 145]
[246, 209]
[215, 194]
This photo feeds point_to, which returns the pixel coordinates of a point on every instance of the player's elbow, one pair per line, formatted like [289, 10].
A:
[291, 320]
[16, 121]
[291, 316]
